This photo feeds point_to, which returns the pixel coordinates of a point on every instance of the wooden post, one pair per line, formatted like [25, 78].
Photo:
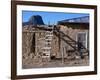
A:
[63, 55]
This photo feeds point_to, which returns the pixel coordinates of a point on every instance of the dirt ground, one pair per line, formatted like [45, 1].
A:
[45, 63]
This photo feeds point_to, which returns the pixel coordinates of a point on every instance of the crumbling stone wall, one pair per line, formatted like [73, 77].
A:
[32, 43]
[71, 32]
[58, 45]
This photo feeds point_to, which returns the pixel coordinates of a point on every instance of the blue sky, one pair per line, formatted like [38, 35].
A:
[51, 17]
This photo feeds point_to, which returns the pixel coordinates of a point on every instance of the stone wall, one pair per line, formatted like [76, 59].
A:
[72, 33]
[31, 48]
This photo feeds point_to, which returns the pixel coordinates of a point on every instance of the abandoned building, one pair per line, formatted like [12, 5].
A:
[55, 41]
[75, 30]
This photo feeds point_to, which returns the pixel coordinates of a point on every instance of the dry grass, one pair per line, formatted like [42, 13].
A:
[45, 63]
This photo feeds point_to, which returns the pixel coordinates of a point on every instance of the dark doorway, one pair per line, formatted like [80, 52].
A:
[33, 44]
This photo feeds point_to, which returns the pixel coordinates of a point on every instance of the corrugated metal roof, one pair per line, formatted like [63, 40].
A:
[84, 19]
